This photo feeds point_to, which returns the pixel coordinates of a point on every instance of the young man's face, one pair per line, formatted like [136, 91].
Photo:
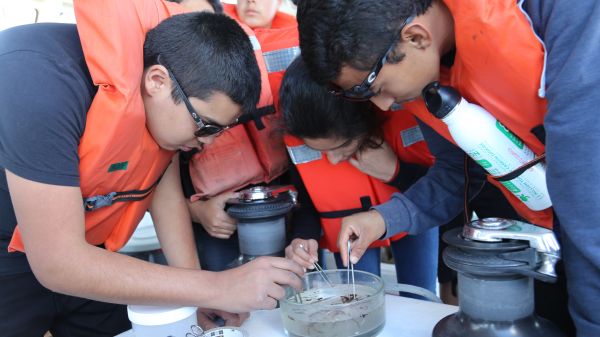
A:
[175, 127]
[399, 82]
[172, 125]
[257, 13]
[337, 150]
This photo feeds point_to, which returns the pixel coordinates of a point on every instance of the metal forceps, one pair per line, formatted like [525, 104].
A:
[320, 270]
[349, 271]
[323, 274]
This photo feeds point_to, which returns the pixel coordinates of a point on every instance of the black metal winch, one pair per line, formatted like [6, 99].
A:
[260, 212]
[496, 261]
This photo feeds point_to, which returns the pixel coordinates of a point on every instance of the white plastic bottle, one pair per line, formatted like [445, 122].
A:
[489, 143]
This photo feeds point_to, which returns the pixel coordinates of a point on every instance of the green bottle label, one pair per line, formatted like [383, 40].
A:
[515, 190]
[484, 163]
[509, 135]
[511, 187]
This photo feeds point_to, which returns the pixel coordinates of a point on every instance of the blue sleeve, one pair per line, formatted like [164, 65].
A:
[42, 117]
[437, 197]
[571, 33]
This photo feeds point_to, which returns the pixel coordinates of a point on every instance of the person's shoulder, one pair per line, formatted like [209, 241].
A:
[542, 13]
[38, 36]
[46, 53]
[53, 43]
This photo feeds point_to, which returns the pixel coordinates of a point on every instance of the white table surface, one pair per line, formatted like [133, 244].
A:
[404, 317]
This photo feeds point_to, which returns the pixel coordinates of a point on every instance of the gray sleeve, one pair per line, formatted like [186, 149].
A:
[42, 117]
[437, 197]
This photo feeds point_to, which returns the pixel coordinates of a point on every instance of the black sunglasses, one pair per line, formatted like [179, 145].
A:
[362, 92]
[204, 129]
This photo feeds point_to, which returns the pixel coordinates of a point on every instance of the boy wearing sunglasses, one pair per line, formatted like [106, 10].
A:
[531, 67]
[252, 152]
[91, 118]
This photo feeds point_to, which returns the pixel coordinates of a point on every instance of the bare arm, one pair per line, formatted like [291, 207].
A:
[173, 225]
[172, 220]
[52, 226]
[51, 220]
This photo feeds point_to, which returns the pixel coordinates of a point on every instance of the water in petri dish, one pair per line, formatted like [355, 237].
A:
[335, 312]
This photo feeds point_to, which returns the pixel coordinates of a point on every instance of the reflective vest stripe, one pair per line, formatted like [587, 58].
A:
[411, 136]
[301, 154]
[279, 60]
[254, 42]
[276, 60]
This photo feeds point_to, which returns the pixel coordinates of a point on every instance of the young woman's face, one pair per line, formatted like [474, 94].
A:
[337, 150]
[257, 13]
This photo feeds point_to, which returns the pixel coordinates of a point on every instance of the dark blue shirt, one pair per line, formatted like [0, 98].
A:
[45, 92]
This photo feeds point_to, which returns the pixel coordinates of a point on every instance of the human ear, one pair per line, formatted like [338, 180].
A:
[417, 35]
[156, 80]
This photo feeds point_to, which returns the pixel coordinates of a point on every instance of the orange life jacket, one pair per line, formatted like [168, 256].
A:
[117, 153]
[499, 65]
[244, 154]
[341, 190]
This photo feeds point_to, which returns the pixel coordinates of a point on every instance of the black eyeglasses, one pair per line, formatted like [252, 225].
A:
[204, 129]
[362, 92]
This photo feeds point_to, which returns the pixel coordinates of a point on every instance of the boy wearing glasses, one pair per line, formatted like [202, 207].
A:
[530, 66]
[91, 117]
[252, 152]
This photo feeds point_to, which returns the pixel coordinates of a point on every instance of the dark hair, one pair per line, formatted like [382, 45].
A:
[216, 5]
[207, 53]
[352, 32]
[310, 111]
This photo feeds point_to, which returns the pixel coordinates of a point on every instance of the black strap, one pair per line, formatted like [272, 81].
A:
[98, 201]
[540, 134]
[184, 172]
[518, 171]
[365, 203]
[257, 115]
